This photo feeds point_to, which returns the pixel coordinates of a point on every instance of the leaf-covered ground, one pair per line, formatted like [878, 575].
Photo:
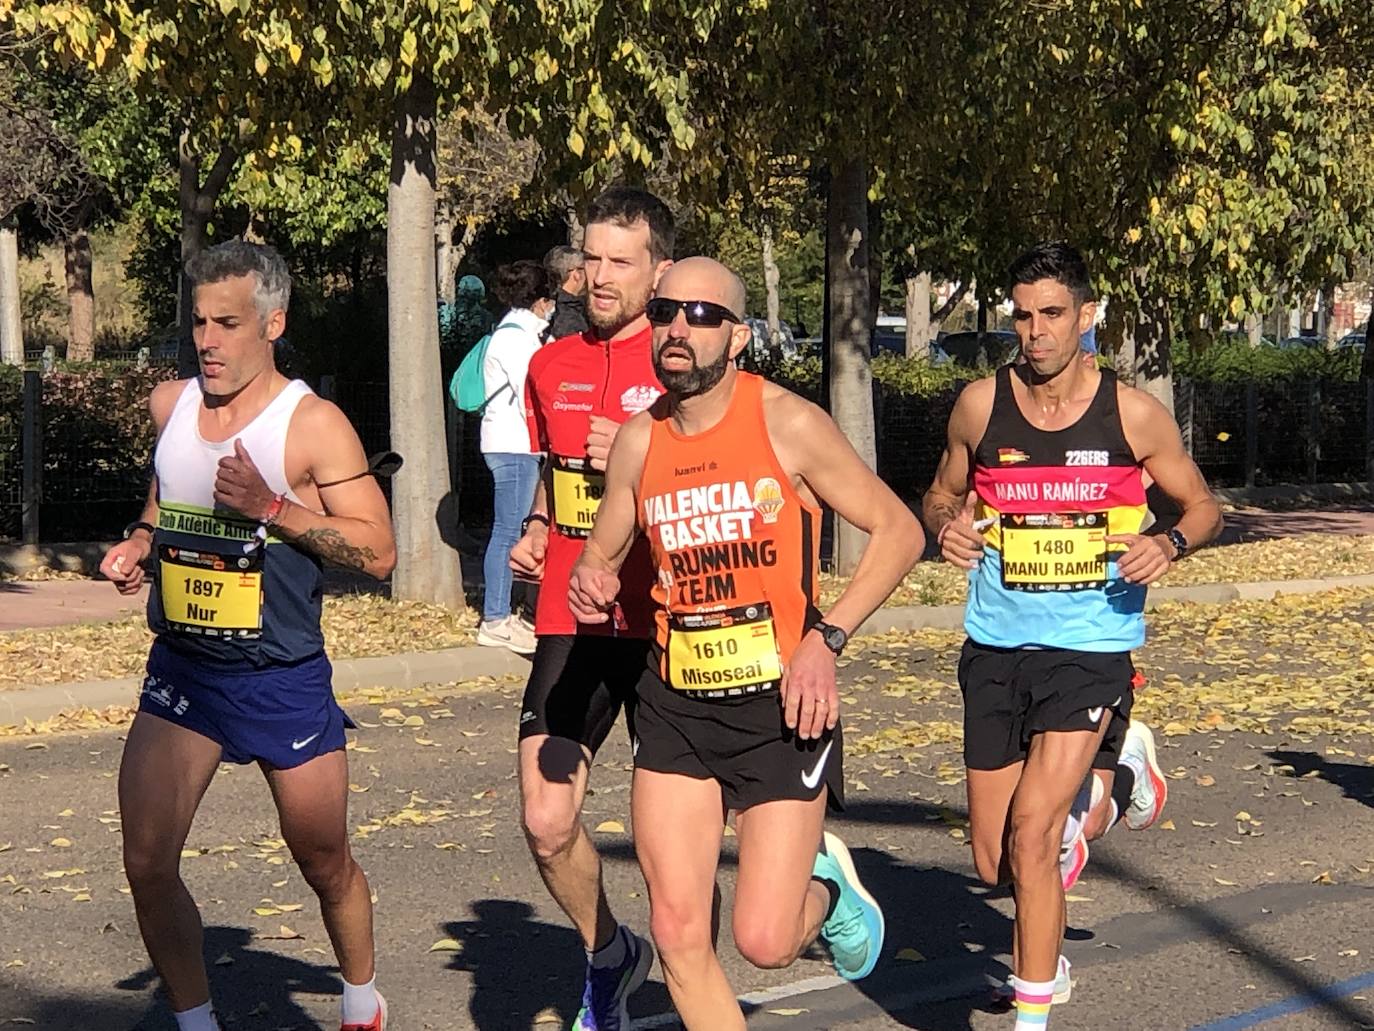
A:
[355, 626]
[1297, 664]
[367, 625]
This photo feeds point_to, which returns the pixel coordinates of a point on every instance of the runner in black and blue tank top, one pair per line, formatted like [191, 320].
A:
[1040, 496]
[256, 480]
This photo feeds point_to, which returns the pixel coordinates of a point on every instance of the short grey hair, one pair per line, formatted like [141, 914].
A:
[560, 262]
[234, 258]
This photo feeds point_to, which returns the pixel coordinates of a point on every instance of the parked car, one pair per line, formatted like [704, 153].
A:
[1352, 341]
[759, 345]
[889, 334]
[994, 347]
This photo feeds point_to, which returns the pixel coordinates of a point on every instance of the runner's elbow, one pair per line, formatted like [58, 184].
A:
[382, 566]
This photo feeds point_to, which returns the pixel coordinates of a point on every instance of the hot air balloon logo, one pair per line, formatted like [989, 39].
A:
[768, 499]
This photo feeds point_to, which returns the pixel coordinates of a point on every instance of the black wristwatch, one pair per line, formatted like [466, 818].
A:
[1179, 542]
[533, 517]
[835, 639]
[137, 525]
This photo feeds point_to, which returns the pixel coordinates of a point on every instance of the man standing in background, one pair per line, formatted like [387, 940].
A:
[566, 267]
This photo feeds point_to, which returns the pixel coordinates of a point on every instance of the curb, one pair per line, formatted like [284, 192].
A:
[1294, 492]
[411, 670]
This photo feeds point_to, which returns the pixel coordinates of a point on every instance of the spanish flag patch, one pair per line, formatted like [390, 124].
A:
[1011, 455]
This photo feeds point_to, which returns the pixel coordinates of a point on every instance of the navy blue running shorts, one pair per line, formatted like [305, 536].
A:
[281, 715]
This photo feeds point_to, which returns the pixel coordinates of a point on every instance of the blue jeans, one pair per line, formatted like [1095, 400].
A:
[516, 477]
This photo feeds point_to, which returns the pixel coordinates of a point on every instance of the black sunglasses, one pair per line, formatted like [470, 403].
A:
[662, 310]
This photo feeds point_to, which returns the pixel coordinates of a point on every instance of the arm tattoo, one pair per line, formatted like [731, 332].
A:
[330, 544]
[938, 512]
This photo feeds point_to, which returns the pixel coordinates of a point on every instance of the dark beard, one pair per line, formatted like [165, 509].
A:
[681, 385]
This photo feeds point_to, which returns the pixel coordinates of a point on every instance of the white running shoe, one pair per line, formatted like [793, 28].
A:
[511, 632]
[1072, 858]
[1151, 790]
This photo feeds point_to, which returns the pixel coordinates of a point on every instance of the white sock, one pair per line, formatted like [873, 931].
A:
[1072, 827]
[360, 1003]
[1099, 791]
[202, 1018]
[612, 954]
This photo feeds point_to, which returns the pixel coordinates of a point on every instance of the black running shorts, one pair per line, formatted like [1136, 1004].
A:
[741, 743]
[578, 685]
[1012, 694]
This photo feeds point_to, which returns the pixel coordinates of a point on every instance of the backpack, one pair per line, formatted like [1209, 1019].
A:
[468, 388]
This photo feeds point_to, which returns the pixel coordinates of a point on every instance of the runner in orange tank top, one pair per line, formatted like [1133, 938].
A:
[725, 475]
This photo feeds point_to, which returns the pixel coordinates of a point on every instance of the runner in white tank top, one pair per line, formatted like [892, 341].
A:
[256, 481]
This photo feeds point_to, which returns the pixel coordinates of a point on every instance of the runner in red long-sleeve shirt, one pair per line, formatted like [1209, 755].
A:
[578, 392]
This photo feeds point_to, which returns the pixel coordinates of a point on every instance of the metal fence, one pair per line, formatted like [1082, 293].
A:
[77, 473]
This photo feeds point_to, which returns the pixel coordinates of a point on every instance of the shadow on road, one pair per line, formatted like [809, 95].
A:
[253, 983]
[1356, 781]
[523, 967]
[254, 988]
[942, 915]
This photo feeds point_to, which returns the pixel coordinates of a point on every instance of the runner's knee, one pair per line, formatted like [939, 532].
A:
[328, 871]
[679, 930]
[150, 868]
[1033, 843]
[550, 821]
[767, 944]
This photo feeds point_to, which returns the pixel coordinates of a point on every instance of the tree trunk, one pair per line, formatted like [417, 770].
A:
[1326, 317]
[11, 316]
[851, 329]
[920, 333]
[427, 569]
[76, 253]
[771, 278]
[1254, 329]
[1112, 340]
[443, 252]
[576, 230]
[197, 202]
[1153, 368]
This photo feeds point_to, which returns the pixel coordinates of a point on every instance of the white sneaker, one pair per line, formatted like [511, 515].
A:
[1151, 790]
[507, 633]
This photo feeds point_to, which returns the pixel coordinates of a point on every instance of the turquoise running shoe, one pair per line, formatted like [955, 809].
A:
[854, 931]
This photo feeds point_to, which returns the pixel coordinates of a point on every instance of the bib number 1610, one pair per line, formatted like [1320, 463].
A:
[715, 649]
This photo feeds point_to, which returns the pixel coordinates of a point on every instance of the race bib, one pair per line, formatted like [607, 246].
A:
[724, 653]
[1064, 551]
[577, 491]
[211, 594]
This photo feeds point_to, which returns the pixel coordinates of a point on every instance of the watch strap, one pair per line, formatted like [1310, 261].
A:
[834, 637]
[1180, 542]
[136, 525]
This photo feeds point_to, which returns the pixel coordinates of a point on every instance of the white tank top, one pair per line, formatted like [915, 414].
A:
[186, 463]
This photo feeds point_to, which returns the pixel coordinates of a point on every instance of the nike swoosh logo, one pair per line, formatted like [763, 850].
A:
[1095, 714]
[814, 777]
[298, 745]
